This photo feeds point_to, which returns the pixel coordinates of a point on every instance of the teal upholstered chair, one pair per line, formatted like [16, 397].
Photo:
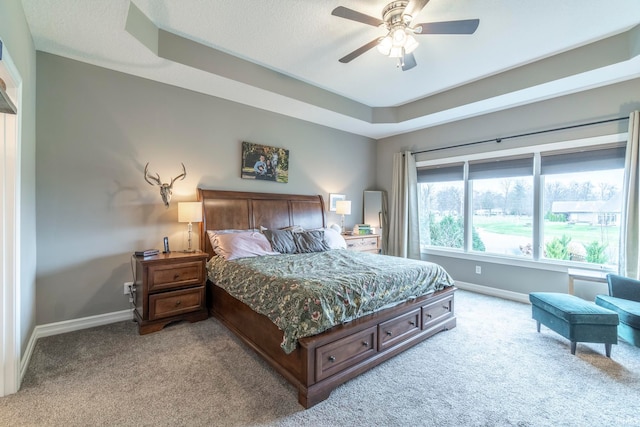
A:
[624, 298]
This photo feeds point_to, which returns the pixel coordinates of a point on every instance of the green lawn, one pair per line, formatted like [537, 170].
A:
[522, 227]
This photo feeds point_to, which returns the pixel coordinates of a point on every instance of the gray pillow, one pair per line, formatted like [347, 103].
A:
[281, 240]
[310, 241]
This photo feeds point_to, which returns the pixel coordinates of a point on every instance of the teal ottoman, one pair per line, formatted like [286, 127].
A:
[575, 319]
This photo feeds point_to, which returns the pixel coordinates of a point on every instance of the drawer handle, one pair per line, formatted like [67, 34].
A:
[429, 316]
[446, 307]
[332, 359]
[365, 343]
[389, 333]
[178, 303]
[176, 275]
[412, 323]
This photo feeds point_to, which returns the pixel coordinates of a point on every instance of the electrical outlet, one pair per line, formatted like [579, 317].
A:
[478, 269]
[127, 285]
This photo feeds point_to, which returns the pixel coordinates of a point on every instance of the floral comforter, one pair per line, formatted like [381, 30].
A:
[305, 294]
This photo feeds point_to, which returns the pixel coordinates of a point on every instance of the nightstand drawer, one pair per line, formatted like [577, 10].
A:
[362, 243]
[175, 275]
[173, 303]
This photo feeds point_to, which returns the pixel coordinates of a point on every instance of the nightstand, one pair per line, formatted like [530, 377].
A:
[169, 287]
[363, 242]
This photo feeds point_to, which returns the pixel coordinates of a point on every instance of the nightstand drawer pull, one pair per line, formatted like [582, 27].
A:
[332, 358]
[365, 343]
[178, 303]
[176, 276]
[389, 333]
[412, 323]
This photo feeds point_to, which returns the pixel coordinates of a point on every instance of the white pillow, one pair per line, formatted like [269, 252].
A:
[334, 239]
[240, 244]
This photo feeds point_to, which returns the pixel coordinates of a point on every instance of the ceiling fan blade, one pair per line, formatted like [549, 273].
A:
[466, 26]
[353, 15]
[353, 55]
[409, 62]
[414, 7]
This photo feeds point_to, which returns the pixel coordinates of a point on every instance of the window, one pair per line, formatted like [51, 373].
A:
[552, 205]
[582, 204]
[441, 206]
[502, 200]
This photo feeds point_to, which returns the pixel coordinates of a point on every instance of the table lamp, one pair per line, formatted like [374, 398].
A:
[343, 207]
[190, 212]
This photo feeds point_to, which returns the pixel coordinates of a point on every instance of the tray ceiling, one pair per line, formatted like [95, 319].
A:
[282, 55]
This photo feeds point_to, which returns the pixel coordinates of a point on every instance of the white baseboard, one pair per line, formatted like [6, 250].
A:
[494, 292]
[65, 326]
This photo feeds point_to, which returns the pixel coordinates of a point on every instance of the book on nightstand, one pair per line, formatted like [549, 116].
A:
[147, 252]
[362, 229]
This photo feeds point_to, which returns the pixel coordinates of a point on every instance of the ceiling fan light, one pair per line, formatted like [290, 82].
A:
[396, 52]
[384, 47]
[411, 44]
[399, 36]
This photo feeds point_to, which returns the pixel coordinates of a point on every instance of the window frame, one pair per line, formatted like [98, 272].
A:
[536, 261]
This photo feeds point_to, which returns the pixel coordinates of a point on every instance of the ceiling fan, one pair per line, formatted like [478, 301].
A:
[399, 42]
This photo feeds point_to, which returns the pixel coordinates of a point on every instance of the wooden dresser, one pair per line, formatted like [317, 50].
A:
[363, 242]
[169, 287]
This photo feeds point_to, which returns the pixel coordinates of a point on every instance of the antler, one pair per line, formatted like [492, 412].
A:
[155, 178]
[165, 189]
[183, 175]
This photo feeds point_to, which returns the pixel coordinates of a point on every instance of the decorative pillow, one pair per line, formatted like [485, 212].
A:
[310, 241]
[241, 244]
[281, 240]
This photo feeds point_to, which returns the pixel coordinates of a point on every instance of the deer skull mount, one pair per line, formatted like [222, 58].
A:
[165, 189]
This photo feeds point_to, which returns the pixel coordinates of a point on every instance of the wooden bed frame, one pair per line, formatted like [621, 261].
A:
[321, 362]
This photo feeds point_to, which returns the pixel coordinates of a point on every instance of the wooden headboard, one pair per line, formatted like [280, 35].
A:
[222, 210]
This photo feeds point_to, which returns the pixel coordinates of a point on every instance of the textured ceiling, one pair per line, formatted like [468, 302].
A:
[301, 40]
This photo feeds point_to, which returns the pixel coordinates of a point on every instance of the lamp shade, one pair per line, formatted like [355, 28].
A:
[343, 207]
[189, 212]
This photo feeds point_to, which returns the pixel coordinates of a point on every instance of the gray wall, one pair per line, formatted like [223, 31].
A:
[96, 130]
[598, 104]
[16, 37]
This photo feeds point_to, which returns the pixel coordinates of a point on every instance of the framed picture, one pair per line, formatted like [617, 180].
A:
[264, 163]
[333, 198]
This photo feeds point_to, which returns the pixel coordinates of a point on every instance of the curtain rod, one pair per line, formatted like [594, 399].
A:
[500, 139]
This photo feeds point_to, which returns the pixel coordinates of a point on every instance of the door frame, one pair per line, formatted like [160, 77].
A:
[10, 152]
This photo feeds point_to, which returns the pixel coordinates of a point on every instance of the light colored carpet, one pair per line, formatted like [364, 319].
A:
[493, 369]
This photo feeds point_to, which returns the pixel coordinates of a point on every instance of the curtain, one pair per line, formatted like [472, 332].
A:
[404, 237]
[384, 222]
[630, 229]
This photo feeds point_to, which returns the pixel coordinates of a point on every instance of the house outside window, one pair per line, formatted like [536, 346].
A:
[582, 196]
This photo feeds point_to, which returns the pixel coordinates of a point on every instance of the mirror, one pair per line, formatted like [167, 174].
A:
[375, 213]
